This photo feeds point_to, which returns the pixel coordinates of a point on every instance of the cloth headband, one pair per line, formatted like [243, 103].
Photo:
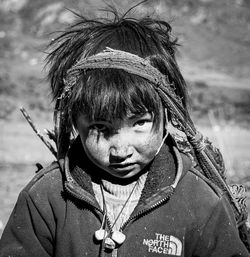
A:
[116, 59]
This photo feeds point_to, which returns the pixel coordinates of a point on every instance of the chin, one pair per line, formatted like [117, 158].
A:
[125, 174]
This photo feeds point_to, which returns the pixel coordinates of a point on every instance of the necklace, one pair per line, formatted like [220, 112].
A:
[112, 238]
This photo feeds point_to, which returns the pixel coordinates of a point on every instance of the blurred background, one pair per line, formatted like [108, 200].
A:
[214, 57]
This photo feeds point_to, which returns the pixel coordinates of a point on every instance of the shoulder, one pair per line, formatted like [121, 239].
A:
[198, 197]
[196, 183]
[201, 190]
[47, 181]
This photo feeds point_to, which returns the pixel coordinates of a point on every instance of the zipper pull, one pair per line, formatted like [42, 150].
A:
[100, 234]
[118, 237]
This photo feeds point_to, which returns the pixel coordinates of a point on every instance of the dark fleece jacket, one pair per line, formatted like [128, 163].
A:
[57, 214]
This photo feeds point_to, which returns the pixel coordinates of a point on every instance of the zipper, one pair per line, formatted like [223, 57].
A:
[79, 197]
[141, 213]
[144, 212]
[114, 253]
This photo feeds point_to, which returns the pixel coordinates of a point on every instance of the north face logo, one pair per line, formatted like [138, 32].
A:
[164, 244]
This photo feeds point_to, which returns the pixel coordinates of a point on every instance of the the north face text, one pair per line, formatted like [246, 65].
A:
[164, 244]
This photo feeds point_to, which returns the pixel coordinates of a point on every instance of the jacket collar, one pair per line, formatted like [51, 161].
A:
[164, 174]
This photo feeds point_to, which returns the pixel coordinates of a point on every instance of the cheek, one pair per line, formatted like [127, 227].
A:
[95, 148]
[148, 145]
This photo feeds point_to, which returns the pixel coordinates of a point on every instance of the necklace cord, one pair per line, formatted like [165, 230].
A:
[124, 205]
[104, 209]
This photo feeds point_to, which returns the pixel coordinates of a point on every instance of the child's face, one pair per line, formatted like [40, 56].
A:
[121, 147]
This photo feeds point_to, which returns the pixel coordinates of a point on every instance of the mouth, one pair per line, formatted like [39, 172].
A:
[122, 166]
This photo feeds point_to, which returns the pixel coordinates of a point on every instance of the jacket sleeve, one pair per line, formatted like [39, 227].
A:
[26, 233]
[219, 235]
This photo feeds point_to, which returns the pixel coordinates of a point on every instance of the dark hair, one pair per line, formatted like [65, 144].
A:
[144, 37]
[113, 94]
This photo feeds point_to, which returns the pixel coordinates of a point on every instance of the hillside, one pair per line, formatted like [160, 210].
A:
[216, 32]
[213, 35]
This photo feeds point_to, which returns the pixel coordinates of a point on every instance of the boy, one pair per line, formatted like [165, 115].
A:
[122, 188]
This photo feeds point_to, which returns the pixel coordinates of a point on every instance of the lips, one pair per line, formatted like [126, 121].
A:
[122, 166]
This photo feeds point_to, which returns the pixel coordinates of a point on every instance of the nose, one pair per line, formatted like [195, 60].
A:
[119, 155]
[120, 150]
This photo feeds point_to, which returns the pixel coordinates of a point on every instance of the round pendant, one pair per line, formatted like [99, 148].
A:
[109, 243]
[100, 234]
[118, 237]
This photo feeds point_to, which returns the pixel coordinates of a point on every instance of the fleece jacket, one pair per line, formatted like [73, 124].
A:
[57, 214]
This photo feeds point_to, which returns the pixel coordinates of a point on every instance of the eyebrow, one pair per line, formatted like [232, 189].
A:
[133, 115]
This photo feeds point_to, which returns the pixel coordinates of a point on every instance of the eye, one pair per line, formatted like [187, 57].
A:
[141, 122]
[99, 127]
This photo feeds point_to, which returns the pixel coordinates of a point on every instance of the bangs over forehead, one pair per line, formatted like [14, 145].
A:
[110, 94]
